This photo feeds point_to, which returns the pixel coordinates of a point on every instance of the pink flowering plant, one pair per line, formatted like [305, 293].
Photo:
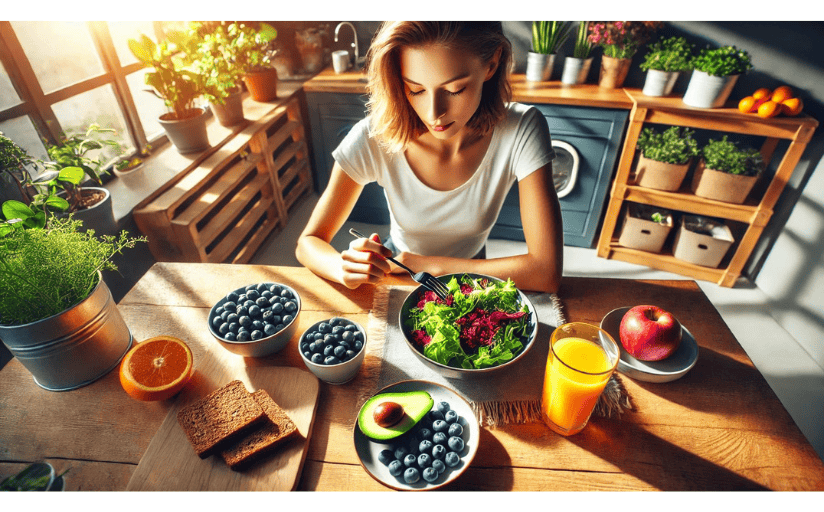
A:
[621, 39]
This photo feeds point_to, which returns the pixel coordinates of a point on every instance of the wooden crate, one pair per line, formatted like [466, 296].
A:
[221, 210]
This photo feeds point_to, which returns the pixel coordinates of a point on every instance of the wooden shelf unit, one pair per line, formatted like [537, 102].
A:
[223, 208]
[754, 213]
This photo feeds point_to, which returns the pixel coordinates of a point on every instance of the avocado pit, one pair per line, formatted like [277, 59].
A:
[388, 413]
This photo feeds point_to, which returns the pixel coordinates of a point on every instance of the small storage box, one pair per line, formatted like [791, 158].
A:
[642, 234]
[699, 248]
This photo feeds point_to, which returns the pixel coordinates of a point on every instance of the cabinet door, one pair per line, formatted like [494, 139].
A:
[596, 135]
[332, 116]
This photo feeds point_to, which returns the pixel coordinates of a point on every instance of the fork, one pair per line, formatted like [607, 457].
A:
[429, 281]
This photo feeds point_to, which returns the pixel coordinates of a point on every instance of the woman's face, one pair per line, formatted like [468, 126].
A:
[444, 85]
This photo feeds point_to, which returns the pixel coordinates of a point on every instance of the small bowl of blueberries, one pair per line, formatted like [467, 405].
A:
[256, 320]
[333, 349]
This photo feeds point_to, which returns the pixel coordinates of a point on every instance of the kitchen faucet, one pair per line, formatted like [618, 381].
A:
[355, 44]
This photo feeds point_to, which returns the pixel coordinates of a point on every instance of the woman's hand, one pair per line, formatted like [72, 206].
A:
[364, 262]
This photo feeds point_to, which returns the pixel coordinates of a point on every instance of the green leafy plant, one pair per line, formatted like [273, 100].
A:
[725, 156]
[723, 61]
[583, 46]
[670, 54]
[249, 48]
[35, 477]
[173, 80]
[675, 145]
[548, 36]
[212, 58]
[43, 272]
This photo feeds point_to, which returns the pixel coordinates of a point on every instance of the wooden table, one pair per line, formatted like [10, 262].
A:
[719, 428]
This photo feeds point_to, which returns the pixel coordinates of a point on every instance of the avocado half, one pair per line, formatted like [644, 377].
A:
[415, 406]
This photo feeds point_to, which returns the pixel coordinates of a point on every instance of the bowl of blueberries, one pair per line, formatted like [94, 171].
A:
[256, 320]
[333, 349]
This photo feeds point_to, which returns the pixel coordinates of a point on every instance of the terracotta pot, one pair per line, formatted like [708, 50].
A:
[659, 175]
[720, 185]
[575, 70]
[643, 234]
[700, 248]
[188, 135]
[262, 85]
[613, 72]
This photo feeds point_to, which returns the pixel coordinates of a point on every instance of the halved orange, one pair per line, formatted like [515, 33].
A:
[157, 368]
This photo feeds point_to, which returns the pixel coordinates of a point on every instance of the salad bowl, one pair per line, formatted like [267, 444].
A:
[454, 359]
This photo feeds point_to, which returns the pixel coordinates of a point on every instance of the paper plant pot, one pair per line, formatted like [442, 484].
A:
[659, 175]
[699, 248]
[642, 234]
[721, 186]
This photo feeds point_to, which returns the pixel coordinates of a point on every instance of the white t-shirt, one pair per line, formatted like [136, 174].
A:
[453, 222]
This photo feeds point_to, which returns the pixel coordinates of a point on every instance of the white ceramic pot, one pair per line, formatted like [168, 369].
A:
[575, 70]
[539, 66]
[660, 83]
[707, 91]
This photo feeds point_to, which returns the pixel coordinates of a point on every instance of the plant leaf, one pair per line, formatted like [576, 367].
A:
[13, 209]
[73, 175]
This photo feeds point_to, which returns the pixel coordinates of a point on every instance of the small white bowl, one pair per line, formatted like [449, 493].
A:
[340, 373]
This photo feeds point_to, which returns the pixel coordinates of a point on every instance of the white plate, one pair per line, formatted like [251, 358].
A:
[669, 369]
[368, 450]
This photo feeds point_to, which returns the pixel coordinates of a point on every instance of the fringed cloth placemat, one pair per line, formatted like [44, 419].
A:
[511, 395]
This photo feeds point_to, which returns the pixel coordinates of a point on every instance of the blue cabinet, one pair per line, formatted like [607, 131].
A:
[594, 134]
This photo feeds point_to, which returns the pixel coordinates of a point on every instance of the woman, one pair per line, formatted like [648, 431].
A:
[446, 146]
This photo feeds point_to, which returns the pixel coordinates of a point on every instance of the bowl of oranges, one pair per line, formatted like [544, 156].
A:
[768, 103]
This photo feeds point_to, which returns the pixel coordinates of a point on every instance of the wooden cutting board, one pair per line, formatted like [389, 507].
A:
[171, 464]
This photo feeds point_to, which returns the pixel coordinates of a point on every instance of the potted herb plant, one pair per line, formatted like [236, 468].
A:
[619, 40]
[576, 66]
[645, 227]
[664, 157]
[178, 85]
[726, 172]
[715, 72]
[251, 53]
[702, 241]
[57, 316]
[547, 37]
[664, 63]
[221, 79]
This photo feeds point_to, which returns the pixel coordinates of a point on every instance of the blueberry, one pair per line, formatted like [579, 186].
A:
[242, 311]
[440, 426]
[358, 336]
[455, 443]
[337, 329]
[351, 327]
[243, 336]
[254, 310]
[410, 460]
[438, 466]
[330, 338]
[224, 328]
[358, 345]
[230, 336]
[439, 438]
[225, 313]
[455, 429]
[257, 325]
[248, 303]
[307, 354]
[252, 294]
[280, 327]
[395, 467]
[241, 299]
[330, 360]
[347, 336]
[232, 317]
[217, 320]
[425, 446]
[234, 327]
[266, 294]
[286, 294]
[424, 460]
[450, 416]
[256, 335]
[438, 452]
[275, 320]
[452, 459]
[276, 289]
[286, 319]
[340, 352]
[386, 456]
[263, 302]
[262, 287]
[411, 475]
[430, 474]
[328, 350]
[424, 433]
[435, 415]
[316, 348]
[318, 335]
[290, 307]
[317, 358]
[277, 308]
[232, 296]
[350, 354]
[442, 406]
[401, 452]
[324, 327]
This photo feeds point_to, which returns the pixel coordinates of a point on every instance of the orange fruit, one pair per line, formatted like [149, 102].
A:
[769, 109]
[781, 93]
[157, 368]
[792, 106]
[762, 93]
[747, 104]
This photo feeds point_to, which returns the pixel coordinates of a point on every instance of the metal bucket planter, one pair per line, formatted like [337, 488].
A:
[575, 70]
[659, 175]
[707, 91]
[75, 347]
[229, 113]
[188, 135]
[659, 83]
[539, 66]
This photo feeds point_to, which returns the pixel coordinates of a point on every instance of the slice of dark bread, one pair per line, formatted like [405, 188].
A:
[218, 417]
[277, 428]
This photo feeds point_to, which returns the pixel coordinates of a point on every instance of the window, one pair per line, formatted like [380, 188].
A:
[58, 77]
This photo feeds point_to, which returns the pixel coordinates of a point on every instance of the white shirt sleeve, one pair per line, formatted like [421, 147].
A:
[360, 155]
[532, 144]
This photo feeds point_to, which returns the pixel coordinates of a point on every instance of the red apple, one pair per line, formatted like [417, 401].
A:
[649, 333]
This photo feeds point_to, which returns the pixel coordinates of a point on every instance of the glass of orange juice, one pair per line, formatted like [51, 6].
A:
[581, 360]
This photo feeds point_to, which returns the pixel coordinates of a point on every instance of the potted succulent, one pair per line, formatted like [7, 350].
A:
[645, 227]
[702, 241]
[221, 79]
[726, 172]
[664, 157]
[576, 67]
[664, 62]
[178, 85]
[715, 72]
[619, 40]
[547, 37]
[57, 316]
[251, 52]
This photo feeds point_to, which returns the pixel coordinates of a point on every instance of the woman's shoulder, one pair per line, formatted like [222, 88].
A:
[519, 111]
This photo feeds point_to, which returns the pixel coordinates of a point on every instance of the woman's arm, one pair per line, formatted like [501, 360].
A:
[362, 261]
[540, 269]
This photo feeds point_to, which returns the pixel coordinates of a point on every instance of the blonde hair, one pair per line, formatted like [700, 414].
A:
[392, 120]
